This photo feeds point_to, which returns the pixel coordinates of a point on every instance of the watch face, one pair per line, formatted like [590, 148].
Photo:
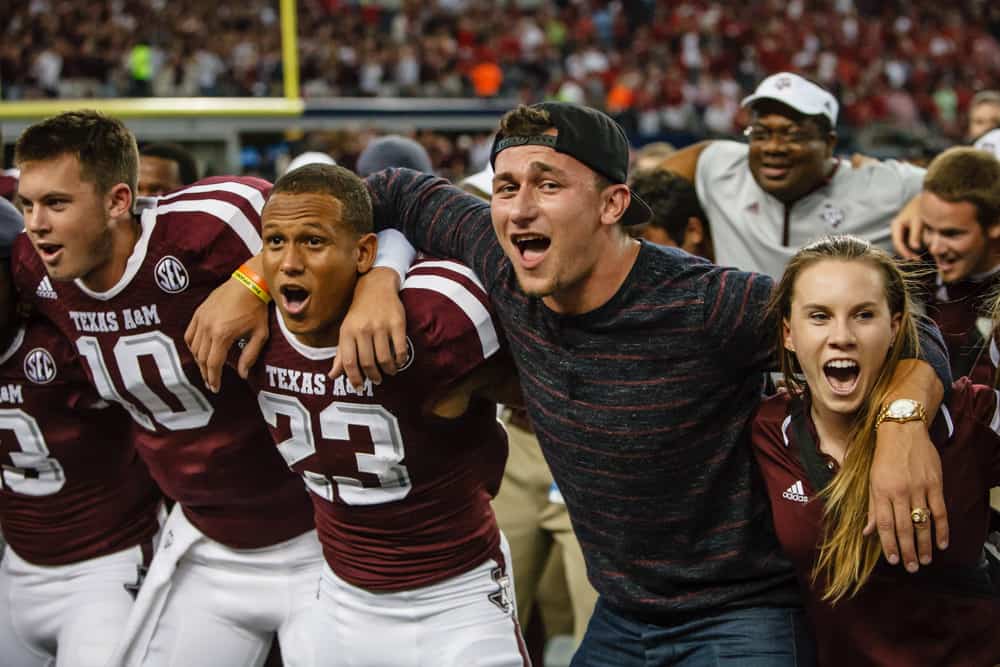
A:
[901, 408]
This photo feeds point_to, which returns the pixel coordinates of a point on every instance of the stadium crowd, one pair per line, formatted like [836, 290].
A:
[660, 66]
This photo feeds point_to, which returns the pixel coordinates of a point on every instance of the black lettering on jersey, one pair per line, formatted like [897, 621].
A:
[94, 322]
[11, 393]
[39, 367]
[144, 316]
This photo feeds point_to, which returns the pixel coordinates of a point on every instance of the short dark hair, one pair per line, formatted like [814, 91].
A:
[963, 174]
[672, 198]
[340, 183]
[105, 148]
[187, 167]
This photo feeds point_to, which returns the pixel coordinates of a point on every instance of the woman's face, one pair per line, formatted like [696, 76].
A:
[840, 329]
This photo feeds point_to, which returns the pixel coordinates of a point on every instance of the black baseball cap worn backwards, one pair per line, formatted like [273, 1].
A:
[590, 136]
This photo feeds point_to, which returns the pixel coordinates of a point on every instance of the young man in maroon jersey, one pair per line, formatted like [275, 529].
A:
[960, 212]
[77, 506]
[401, 473]
[239, 558]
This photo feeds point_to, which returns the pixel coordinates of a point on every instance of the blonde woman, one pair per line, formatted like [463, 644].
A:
[846, 320]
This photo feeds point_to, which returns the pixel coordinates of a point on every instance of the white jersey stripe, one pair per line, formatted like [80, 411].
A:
[784, 429]
[251, 194]
[995, 422]
[947, 419]
[464, 299]
[224, 211]
[461, 269]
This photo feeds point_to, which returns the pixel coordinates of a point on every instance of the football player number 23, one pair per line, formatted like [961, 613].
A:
[334, 421]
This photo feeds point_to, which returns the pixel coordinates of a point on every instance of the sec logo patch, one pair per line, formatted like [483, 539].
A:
[171, 275]
[39, 367]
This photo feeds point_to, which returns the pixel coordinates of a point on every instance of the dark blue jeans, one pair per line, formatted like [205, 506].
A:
[752, 637]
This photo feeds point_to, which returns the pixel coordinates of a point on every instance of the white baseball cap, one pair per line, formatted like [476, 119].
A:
[310, 157]
[989, 142]
[798, 93]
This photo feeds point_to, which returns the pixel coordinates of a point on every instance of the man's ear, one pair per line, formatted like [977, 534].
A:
[831, 144]
[993, 231]
[367, 248]
[119, 200]
[694, 233]
[615, 200]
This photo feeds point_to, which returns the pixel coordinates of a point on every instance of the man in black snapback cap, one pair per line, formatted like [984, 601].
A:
[588, 135]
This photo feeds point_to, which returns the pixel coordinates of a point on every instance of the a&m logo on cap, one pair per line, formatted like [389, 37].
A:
[171, 275]
[39, 367]
[783, 82]
[832, 216]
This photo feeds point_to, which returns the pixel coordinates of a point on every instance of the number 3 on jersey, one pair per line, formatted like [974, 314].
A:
[195, 410]
[334, 420]
[33, 473]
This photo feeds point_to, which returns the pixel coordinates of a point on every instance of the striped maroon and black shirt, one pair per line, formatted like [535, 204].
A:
[641, 408]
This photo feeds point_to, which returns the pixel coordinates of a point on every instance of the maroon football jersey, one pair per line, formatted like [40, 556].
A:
[961, 311]
[71, 486]
[8, 185]
[402, 499]
[210, 452]
[933, 617]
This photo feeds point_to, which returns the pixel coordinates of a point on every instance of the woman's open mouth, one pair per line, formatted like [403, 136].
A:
[842, 375]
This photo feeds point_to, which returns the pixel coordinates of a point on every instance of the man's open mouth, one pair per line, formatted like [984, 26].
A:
[531, 247]
[294, 299]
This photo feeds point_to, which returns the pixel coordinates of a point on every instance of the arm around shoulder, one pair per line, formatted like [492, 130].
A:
[684, 162]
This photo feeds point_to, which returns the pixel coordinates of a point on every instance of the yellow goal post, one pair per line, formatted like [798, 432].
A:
[291, 105]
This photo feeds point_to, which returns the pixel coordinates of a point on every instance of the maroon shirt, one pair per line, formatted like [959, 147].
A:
[402, 499]
[896, 619]
[210, 452]
[72, 487]
[961, 311]
[8, 184]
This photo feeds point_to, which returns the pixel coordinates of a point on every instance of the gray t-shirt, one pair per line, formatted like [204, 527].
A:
[754, 231]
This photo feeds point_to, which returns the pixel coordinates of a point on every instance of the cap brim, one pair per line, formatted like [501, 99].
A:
[638, 212]
[747, 101]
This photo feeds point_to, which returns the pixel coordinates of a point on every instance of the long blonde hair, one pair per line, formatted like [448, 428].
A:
[846, 556]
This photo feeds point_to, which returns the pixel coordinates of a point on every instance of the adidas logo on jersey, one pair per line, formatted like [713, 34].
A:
[795, 493]
[45, 290]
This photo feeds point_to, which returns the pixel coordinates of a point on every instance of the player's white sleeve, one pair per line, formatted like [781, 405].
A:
[395, 252]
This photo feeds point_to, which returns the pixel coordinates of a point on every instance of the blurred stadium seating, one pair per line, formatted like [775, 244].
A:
[669, 70]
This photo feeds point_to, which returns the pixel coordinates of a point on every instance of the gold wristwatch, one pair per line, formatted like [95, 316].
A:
[901, 410]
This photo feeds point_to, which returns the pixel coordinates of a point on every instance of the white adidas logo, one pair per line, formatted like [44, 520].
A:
[45, 290]
[795, 493]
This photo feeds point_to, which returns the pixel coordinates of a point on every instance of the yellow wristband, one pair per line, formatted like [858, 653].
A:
[258, 289]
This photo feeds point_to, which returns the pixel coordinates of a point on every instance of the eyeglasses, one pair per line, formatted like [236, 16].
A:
[757, 134]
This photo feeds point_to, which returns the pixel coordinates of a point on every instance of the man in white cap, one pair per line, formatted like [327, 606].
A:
[784, 188]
